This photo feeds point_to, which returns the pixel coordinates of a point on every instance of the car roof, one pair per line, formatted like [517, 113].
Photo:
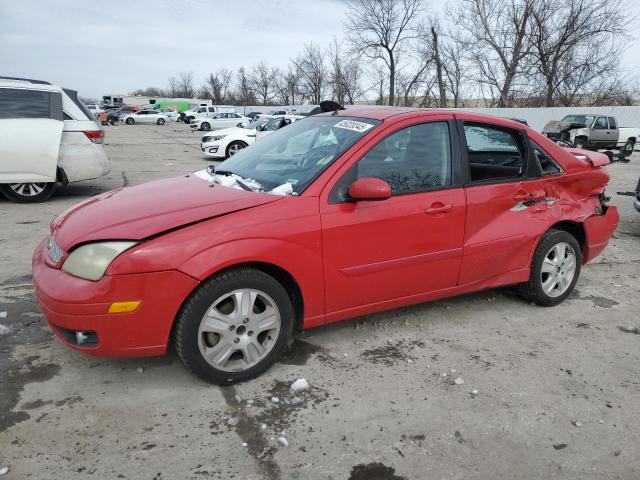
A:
[13, 82]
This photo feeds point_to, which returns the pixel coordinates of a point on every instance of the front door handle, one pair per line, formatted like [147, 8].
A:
[438, 208]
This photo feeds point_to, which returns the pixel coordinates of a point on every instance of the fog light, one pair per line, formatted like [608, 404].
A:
[124, 307]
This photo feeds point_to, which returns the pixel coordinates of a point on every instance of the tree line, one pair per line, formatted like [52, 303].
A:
[496, 53]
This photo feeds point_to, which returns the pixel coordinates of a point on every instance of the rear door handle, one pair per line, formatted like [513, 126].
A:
[438, 207]
[528, 197]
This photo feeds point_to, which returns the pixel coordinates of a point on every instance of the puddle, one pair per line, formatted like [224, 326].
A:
[374, 471]
[299, 353]
[602, 302]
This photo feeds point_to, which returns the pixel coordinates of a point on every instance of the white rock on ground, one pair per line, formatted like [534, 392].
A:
[4, 471]
[3, 314]
[283, 441]
[232, 421]
[275, 399]
[459, 381]
[4, 330]
[299, 385]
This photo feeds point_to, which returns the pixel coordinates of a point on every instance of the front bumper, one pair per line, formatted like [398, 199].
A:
[73, 304]
[212, 150]
[599, 229]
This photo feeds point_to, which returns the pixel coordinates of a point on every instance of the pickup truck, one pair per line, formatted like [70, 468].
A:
[602, 132]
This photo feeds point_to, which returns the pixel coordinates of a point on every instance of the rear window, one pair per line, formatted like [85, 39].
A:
[73, 95]
[612, 123]
[21, 103]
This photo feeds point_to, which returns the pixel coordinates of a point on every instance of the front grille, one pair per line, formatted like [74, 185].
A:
[54, 251]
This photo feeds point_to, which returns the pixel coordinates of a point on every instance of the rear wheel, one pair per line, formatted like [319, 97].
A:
[28, 192]
[234, 326]
[555, 269]
[627, 150]
[160, 121]
[130, 121]
[235, 147]
[205, 126]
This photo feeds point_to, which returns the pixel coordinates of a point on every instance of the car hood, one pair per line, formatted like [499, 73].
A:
[135, 213]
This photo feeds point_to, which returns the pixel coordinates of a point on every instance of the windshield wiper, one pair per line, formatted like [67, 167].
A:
[228, 173]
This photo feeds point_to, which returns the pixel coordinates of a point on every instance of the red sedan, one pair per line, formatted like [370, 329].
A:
[335, 216]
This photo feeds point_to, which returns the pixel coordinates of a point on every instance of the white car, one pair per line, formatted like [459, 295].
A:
[219, 120]
[205, 111]
[145, 116]
[226, 142]
[276, 123]
[172, 114]
[95, 109]
[47, 136]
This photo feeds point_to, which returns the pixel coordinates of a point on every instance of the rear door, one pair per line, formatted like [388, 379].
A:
[31, 123]
[506, 202]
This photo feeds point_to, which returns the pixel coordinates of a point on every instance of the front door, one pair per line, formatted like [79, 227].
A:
[600, 132]
[407, 245]
[507, 206]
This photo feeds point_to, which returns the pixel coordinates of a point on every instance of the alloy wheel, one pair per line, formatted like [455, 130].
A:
[558, 269]
[239, 330]
[28, 189]
[235, 148]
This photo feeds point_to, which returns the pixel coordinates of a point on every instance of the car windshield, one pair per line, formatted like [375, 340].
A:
[583, 119]
[288, 160]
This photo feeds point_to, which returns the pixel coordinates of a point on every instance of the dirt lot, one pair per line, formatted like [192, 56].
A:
[557, 389]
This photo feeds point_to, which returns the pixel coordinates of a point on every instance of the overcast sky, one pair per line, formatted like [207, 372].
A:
[115, 46]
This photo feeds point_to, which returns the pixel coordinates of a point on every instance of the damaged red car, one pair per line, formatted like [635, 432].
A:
[335, 216]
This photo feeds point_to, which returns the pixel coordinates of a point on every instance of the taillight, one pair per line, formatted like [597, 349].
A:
[96, 136]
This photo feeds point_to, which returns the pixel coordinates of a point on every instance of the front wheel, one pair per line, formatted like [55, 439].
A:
[205, 126]
[130, 121]
[160, 121]
[554, 270]
[28, 192]
[235, 147]
[580, 143]
[234, 326]
[627, 150]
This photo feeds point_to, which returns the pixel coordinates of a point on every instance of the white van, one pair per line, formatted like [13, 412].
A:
[47, 136]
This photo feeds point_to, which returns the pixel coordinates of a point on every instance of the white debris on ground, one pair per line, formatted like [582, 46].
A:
[139, 370]
[233, 421]
[283, 441]
[577, 423]
[245, 444]
[474, 392]
[3, 314]
[299, 385]
[296, 401]
[275, 399]
[4, 330]
[4, 471]
[263, 426]
[238, 398]
[459, 381]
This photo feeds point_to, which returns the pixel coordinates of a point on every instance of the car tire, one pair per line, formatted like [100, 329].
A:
[188, 119]
[28, 192]
[627, 150]
[580, 143]
[205, 126]
[211, 323]
[234, 147]
[130, 121]
[556, 261]
[160, 121]
[240, 125]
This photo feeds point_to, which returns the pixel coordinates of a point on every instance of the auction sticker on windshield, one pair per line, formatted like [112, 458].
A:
[359, 127]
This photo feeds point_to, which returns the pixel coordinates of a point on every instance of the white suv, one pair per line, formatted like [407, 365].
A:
[46, 136]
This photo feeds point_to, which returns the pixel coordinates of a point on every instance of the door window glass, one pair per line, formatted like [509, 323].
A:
[548, 166]
[20, 103]
[494, 154]
[601, 124]
[612, 123]
[413, 159]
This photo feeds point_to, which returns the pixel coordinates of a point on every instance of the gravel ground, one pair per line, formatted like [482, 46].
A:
[547, 393]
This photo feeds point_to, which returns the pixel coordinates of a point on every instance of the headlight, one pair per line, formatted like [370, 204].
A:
[217, 137]
[90, 261]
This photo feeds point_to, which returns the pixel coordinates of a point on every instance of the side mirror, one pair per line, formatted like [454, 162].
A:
[369, 188]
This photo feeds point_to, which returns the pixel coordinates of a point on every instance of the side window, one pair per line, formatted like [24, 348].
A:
[411, 160]
[494, 154]
[601, 124]
[612, 123]
[19, 103]
[548, 166]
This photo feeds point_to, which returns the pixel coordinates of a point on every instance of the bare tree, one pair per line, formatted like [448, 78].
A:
[498, 35]
[262, 82]
[379, 29]
[244, 94]
[313, 73]
[565, 30]
[287, 84]
[218, 85]
[344, 76]
[453, 54]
